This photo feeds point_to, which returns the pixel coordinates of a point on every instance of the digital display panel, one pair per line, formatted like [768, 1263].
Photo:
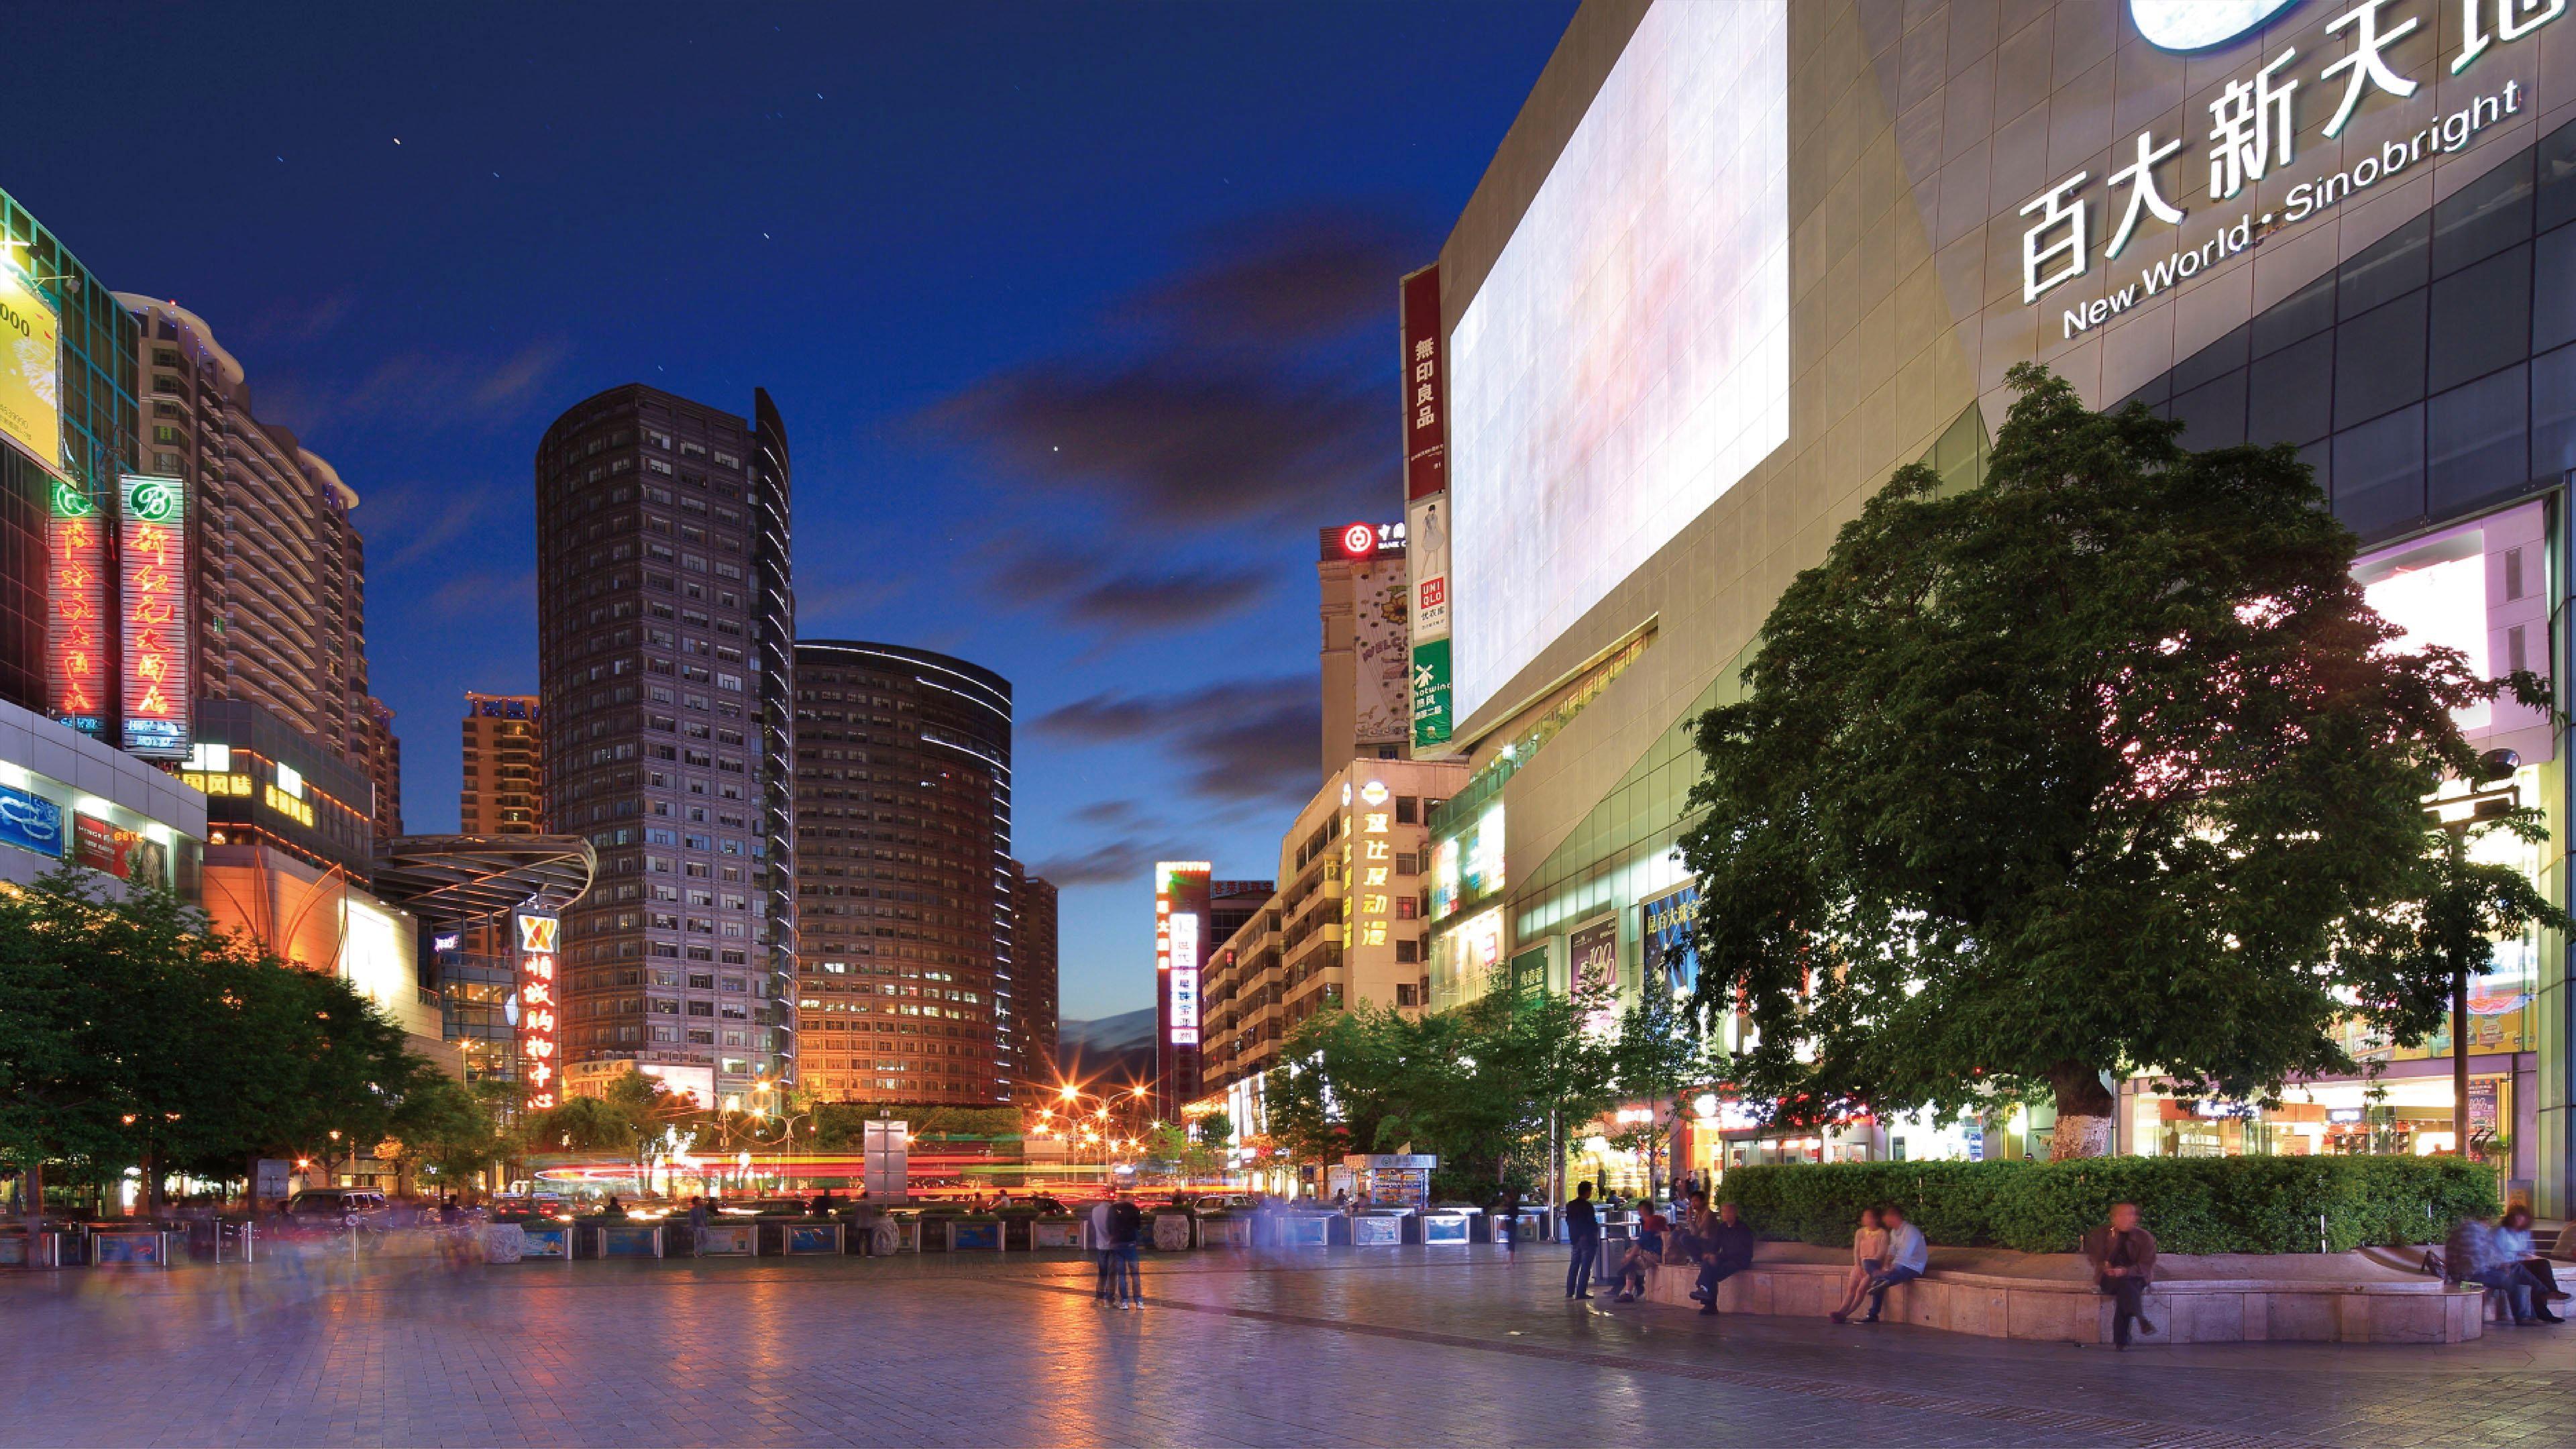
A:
[1626, 360]
[152, 573]
[31, 365]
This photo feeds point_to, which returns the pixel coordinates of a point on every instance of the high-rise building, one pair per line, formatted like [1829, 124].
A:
[504, 766]
[665, 625]
[1033, 980]
[1368, 703]
[277, 572]
[379, 753]
[1193, 913]
[905, 985]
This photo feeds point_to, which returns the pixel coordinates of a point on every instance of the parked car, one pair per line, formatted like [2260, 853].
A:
[332, 1207]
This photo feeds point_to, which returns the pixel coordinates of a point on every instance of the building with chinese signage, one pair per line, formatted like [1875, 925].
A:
[1192, 913]
[471, 895]
[504, 771]
[2348, 226]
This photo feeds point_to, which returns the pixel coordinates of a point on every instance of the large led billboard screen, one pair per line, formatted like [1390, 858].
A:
[1626, 359]
[31, 366]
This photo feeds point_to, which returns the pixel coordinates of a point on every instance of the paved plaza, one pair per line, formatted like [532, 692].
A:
[1376, 1347]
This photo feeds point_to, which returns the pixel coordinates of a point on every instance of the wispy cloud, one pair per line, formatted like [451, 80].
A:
[482, 595]
[1243, 740]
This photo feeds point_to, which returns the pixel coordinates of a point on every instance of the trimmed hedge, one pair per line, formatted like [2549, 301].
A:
[2191, 1204]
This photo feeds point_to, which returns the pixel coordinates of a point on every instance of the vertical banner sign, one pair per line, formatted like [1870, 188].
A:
[1426, 507]
[1375, 896]
[1180, 918]
[1426, 397]
[1592, 957]
[152, 568]
[76, 611]
[540, 1068]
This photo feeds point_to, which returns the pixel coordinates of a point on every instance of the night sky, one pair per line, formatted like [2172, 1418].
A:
[1081, 317]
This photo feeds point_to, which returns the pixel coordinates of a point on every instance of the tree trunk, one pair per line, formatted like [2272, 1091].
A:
[2085, 1125]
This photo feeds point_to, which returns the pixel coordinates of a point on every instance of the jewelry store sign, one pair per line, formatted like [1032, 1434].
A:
[2253, 133]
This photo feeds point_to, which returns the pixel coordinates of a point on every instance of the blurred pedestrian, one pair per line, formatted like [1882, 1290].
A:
[1645, 1254]
[697, 1227]
[2513, 1243]
[1583, 1228]
[2472, 1254]
[1104, 1256]
[1507, 1222]
[2123, 1256]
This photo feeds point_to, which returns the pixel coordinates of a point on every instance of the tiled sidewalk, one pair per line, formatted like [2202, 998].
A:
[1397, 1347]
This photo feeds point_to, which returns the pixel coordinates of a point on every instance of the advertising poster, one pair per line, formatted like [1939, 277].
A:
[31, 367]
[1431, 722]
[1426, 397]
[1385, 701]
[30, 822]
[1664, 927]
[1592, 959]
[104, 848]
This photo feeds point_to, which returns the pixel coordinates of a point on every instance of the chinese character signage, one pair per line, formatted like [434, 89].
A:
[1180, 941]
[1369, 895]
[152, 572]
[541, 1068]
[31, 365]
[2254, 121]
[1431, 693]
[1426, 402]
[76, 657]
[1664, 929]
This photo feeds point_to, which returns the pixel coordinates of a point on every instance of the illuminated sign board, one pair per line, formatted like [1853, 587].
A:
[1664, 933]
[152, 573]
[1180, 912]
[1370, 900]
[1592, 964]
[76, 611]
[31, 365]
[541, 1068]
[30, 822]
[2254, 124]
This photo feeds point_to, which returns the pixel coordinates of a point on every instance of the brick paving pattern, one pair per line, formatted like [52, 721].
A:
[1378, 1347]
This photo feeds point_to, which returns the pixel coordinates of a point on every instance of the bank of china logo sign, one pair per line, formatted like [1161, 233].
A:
[2250, 129]
[2200, 24]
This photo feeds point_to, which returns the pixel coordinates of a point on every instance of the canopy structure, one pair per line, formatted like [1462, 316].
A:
[453, 879]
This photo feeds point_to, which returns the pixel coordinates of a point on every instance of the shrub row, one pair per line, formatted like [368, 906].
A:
[2191, 1204]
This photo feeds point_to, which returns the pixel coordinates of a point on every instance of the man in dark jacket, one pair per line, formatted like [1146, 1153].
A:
[1583, 1229]
[2123, 1256]
[1724, 1251]
[1126, 1226]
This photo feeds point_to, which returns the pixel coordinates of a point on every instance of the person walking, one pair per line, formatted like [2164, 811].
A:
[1725, 1251]
[1507, 1222]
[1869, 1253]
[1126, 1226]
[2123, 1256]
[1104, 1257]
[1907, 1256]
[1583, 1227]
[2513, 1245]
[697, 1227]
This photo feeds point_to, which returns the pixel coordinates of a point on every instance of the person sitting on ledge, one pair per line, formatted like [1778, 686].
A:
[2123, 1256]
[1907, 1256]
[2513, 1245]
[1726, 1251]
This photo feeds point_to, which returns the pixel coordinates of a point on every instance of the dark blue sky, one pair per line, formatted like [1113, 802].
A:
[1081, 318]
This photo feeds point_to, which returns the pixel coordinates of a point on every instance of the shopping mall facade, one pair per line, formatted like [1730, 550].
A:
[1734, 264]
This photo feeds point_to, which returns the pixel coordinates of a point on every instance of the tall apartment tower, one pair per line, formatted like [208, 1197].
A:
[1366, 653]
[278, 570]
[905, 963]
[504, 766]
[1033, 981]
[666, 624]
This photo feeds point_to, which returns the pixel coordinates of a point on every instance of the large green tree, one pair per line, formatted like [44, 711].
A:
[131, 1035]
[2101, 765]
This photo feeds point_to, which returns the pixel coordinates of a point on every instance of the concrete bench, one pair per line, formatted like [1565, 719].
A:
[2070, 1310]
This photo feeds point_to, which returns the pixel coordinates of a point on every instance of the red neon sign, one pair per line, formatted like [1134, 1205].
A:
[540, 1069]
[75, 610]
[153, 570]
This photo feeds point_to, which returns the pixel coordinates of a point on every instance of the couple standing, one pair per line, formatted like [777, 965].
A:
[1116, 1225]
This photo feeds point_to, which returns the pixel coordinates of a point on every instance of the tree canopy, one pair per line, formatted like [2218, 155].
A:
[2102, 765]
[132, 1035]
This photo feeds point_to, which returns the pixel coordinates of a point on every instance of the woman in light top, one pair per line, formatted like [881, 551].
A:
[1869, 1254]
